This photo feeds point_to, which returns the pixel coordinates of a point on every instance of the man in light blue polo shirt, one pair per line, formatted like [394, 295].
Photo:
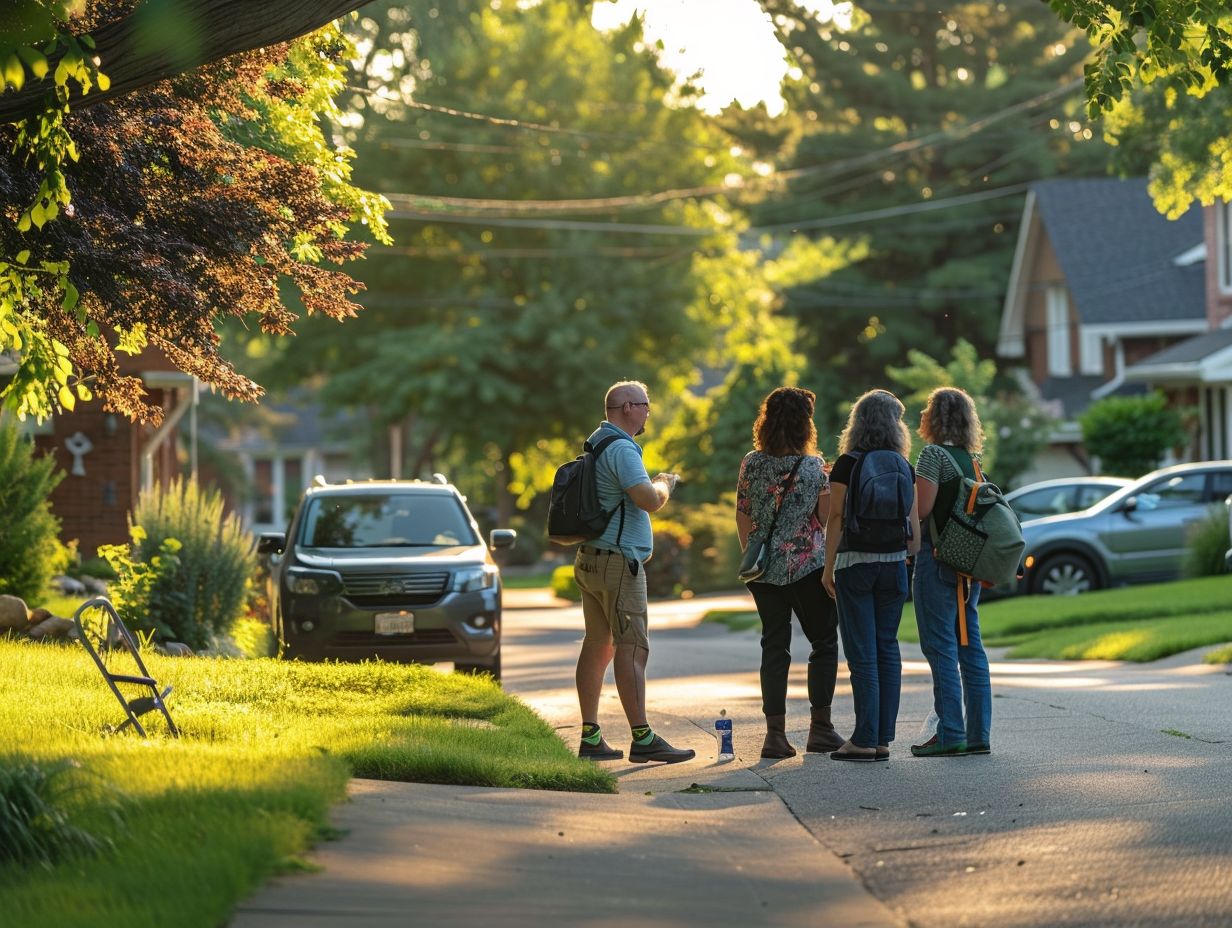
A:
[610, 572]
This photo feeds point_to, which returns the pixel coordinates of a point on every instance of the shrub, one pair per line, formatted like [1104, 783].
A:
[34, 818]
[197, 598]
[667, 573]
[714, 555]
[1129, 434]
[532, 541]
[564, 585]
[29, 548]
[1207, 543]
[131, 590]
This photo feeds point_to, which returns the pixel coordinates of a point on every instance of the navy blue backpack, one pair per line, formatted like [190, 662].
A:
[877, 511]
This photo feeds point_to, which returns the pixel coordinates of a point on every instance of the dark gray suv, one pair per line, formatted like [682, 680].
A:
[395, 570]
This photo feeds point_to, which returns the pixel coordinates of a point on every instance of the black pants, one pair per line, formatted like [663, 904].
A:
[818, 617]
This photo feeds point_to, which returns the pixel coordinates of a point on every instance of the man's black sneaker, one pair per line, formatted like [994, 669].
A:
[600, 751]
[659, 750]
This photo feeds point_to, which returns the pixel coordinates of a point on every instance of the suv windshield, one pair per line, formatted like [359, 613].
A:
[385, 520]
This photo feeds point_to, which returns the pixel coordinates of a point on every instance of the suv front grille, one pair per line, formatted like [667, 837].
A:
[417, 589]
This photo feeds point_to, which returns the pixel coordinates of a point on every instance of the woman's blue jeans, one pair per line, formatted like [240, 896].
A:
[960, 672]
[870, 606]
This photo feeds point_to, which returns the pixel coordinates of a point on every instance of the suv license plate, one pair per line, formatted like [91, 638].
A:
[395, 623]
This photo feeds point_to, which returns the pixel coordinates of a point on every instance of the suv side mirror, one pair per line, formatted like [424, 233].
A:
[1130, 505]
[271, 543]
[502, 538]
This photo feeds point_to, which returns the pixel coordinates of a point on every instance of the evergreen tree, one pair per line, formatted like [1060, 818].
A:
[903, 109]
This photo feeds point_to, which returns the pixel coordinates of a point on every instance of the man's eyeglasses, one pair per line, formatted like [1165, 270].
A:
[626, 403]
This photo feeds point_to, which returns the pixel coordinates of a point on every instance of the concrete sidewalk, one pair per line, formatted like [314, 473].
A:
[652, 856]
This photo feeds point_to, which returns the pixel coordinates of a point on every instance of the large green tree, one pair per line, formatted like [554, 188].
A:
[1160, 76]
[560, 211]
[917, 129]
[144, 219]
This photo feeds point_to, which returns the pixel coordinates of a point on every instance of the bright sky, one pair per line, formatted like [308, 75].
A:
[730, 41]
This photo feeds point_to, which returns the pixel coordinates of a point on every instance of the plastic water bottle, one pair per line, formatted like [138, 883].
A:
[723, 730]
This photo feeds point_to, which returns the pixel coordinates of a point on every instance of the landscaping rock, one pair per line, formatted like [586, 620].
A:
[14, 613]
[54, 627]
[39, 615]
[177, 649]
[94, 585]
[68, 586]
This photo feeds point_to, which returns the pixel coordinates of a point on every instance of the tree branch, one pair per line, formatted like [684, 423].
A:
[163, 38]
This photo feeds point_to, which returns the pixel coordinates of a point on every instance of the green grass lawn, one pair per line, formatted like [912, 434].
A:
[199, 822]
[533, 581]
[1137, 623]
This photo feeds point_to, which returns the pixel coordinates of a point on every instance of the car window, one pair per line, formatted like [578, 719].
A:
[1047, 502]
[1089, 495]
[1173, 492]
[381, 520]
[1221, 484]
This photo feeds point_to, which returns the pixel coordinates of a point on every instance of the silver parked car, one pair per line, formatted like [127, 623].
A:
[388, 569]
[1136, 535]
[1227, 557]
[1065, 494]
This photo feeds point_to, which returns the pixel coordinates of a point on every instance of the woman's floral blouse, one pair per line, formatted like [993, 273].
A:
[799, 544]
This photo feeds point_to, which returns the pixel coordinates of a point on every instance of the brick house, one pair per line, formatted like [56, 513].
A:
[1101, 284]
[107, 460]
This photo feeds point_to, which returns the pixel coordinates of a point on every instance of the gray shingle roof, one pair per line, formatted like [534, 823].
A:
[1117, 250]
[1074, 393]
[1191, 350]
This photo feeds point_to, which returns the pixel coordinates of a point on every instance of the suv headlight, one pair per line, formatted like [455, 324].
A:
[469, 579]
[312, 583]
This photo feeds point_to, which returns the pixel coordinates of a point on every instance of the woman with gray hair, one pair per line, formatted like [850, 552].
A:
[961, 680]
[872, 528]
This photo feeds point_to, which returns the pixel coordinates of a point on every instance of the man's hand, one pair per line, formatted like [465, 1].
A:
[667, 480]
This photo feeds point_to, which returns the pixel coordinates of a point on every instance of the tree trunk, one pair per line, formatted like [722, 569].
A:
[140, 50]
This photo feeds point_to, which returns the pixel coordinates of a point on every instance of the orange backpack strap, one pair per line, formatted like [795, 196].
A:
[963, 591]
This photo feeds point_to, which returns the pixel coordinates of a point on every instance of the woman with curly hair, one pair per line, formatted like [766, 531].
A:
[867, 572]
[955, 437]
[784, 473]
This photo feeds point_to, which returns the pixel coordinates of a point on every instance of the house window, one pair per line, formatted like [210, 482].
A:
[1091, 359]
[1223, 236]
[1059, 363]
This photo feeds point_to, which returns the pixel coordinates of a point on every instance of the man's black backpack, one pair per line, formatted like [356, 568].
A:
[877, 510]
[574, 512]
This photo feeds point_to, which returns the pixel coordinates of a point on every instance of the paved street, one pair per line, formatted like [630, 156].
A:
[1087, 813]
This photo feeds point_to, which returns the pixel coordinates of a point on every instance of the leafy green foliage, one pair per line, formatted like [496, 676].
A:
[564, 585]
[1129, 434]
[907, 107]
[36, 816]
[1206, 544]
[147, 237]
[202, 594]
[29, 546]
[135, 579]
[1185, 45]
[526, 173]
[714, 555]
[1015, 428]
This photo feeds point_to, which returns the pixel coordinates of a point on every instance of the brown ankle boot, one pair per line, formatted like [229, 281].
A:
[822, 737]
[776, 743]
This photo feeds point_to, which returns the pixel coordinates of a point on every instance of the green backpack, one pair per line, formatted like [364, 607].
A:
[981, 537]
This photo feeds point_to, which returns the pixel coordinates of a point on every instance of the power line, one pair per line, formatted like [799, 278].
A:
[893, 212]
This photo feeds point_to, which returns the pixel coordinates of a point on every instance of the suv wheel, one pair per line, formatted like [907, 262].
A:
[1065, 575]
[493, 667]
